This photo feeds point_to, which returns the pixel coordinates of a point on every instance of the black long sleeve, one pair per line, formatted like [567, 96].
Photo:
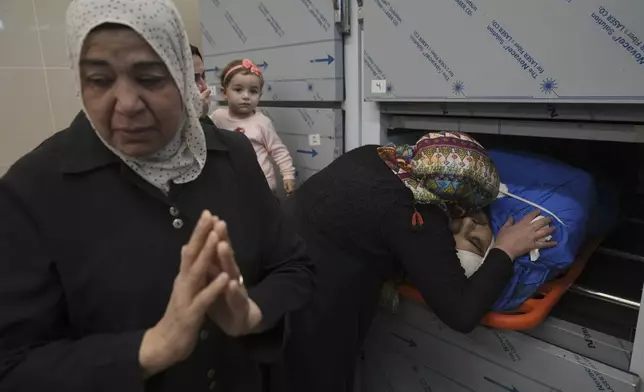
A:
[287, 277]
[360, 205]
[37, 348]
[429, 257]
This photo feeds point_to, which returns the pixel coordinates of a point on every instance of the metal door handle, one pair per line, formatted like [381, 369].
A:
[587, 292]
[337, 10]
[341, 15]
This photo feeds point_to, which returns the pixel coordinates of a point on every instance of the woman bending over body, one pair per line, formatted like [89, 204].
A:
[375, 212]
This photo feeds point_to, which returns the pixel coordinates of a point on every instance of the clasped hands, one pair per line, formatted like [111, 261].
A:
[235, 313]
[210, 284]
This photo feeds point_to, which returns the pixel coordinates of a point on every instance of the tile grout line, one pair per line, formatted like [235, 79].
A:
[44, 69]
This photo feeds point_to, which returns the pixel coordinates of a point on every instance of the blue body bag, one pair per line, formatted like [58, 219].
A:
[567, 192]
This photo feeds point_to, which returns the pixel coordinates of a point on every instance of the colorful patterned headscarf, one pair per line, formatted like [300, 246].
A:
[449, 169]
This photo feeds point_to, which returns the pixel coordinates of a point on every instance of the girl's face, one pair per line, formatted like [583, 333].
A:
[243, 93]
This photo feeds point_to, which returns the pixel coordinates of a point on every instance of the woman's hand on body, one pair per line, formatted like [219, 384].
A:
[517, 239]
[174, 337]
[234, 312]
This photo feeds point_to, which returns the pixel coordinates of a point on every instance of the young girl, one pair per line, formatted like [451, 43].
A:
[241, 85]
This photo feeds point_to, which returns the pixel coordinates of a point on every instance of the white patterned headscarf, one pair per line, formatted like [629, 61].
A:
[159, 23]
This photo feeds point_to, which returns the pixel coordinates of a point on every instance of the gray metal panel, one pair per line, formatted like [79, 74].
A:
[311, 157]
[295, 42]
[637, 359]
[298, 128]
[390, 371]
[535, 111]
[581, 340]
[629, 133]
[306, 121]
[485, 360]
[490, 50]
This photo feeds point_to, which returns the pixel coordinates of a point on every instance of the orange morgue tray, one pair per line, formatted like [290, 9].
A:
[533, 311]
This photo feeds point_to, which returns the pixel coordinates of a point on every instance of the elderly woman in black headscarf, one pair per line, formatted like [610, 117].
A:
[104, 284]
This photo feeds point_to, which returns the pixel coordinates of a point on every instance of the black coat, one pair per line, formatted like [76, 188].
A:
[356, 218]
[89, 252]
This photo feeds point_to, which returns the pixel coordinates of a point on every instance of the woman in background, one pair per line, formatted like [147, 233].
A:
[378, 211]
[104, 286]
[202, 84]
[242, 84]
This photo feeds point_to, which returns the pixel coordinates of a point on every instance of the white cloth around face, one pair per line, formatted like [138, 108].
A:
[471, 262]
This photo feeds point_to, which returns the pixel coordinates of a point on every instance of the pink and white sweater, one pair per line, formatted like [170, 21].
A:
[268, 145]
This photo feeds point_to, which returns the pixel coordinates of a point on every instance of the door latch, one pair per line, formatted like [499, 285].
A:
[342, 15]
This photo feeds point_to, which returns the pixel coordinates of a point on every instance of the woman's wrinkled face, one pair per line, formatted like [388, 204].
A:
[128, 92]
[472, 233]
[200, 73]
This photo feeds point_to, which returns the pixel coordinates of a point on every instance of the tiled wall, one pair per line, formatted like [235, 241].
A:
[37, 93]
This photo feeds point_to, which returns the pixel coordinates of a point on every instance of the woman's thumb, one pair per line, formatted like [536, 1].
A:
[509, 222]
